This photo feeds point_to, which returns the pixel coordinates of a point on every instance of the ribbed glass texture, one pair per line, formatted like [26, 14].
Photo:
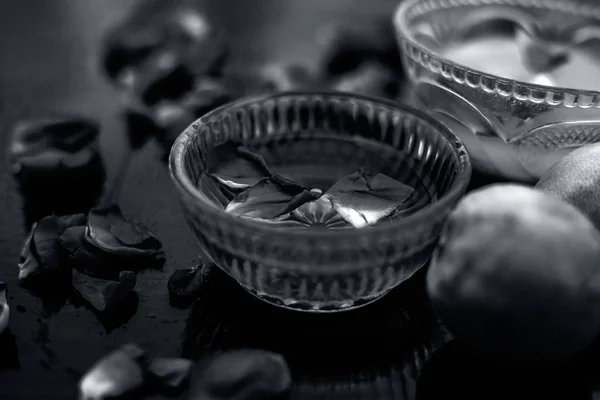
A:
[322, 270]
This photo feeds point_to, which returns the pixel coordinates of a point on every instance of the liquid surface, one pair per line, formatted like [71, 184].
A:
[546, 48]
[320, 162]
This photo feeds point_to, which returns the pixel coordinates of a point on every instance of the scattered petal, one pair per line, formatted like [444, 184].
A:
[152, 27]
[162, 77]
[29, 264]
[270, 198]
[184, 286]
[42, 256]
[108, 230]
[88, 257]
[363, 199]
[139, 121]
[370, 79]
[346, 46]
[104, 295]
[285, 77]
[207, 94]
[69, 134]
[170, 374]
[235, 166]
[57, 160]
[53, 143]
[241, 374]
[4, 308]
[45, 238]
[117, 375]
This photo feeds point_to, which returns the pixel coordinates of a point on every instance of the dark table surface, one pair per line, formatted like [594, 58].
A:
[49, 64]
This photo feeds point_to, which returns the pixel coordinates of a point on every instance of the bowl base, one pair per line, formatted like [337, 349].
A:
[314, 306]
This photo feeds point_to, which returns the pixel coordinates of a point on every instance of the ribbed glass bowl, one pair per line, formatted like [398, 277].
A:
[322, 269]
[515, 125]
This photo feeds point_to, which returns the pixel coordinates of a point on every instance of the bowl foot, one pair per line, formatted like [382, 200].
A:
[314, 306]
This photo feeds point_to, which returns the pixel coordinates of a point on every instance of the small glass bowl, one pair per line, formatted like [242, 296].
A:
[514, 125]
[321, 269]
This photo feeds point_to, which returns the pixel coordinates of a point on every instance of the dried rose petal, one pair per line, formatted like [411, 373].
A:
[270, 198]
[207, 94]
[218, 193]
[153, 26]
[241, 374]
[371, 79]
[235, 166]
[53, 143]
[56, 159]
[108, 230]
[363, 199]
[139, 120]
[4, 308]
[162, 77]
[347, 46]
[170, 374]
[42, 256]
[285, 77]
[184, 286]
[104, 295]
[108, 244]
[118, 375]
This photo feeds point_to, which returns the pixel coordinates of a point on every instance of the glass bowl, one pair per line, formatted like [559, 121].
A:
[323, 269]
[517, 80]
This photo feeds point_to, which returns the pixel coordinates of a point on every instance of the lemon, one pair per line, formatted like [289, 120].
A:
[517, 274]
[576, 179]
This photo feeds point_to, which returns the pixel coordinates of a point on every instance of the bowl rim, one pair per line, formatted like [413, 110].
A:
[401, 26]
[185, 185]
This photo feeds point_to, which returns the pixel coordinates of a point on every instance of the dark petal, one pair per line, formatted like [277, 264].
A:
[172, 119]
[208, 94]
[363, 199]
[346, 46]
[140, 122]
[46, 239]
[285, 77]
[184, 286]
[134, 38]
[68, 134]
[4, 308]
[219, 194]
[104, 295]
[116, 376]
[371, 79]
[94, 261]
[162, 76]
[28, 264]
[170, 374]
[110, 231]
[242, 374]
[235, 166]
[270, 198]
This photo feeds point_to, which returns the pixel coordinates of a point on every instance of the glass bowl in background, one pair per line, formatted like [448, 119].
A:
[323, 269]
[517, 80]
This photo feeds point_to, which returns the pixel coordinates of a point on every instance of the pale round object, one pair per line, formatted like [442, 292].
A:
[517, 274]
[576, 179]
